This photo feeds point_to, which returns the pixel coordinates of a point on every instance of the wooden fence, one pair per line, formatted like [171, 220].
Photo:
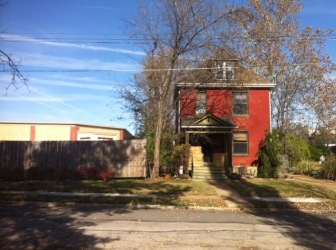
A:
[126, 158]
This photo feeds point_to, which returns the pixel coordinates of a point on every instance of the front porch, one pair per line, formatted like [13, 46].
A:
[209, 173]
[210, 154]
[208, 157]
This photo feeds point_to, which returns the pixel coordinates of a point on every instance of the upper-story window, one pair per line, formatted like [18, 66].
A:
[240, 103]
[225, 70]
[201, 103]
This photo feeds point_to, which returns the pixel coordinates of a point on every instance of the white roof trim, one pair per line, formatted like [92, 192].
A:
[63, 123]
[208, 127]
[227, 85]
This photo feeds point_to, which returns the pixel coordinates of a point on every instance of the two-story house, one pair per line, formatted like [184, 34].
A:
[223, 111]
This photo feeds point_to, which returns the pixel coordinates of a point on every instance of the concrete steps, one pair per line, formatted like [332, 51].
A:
[209, 173]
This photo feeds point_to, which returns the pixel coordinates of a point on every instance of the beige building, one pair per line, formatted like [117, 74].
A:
[26, 131]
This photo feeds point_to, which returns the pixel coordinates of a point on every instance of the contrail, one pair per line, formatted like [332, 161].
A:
[14, 38]
[38, 102]
[64, 103]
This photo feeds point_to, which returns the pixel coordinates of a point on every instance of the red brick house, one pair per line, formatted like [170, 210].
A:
[223, 112]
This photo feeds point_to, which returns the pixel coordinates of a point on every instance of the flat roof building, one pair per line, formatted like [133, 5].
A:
[45, 131]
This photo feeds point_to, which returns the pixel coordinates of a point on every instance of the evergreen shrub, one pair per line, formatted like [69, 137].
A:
[269, 156]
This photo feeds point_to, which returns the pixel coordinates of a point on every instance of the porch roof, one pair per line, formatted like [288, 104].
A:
[207, 122]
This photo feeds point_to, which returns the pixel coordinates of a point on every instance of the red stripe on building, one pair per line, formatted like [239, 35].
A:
[74, 133]
[32, 133]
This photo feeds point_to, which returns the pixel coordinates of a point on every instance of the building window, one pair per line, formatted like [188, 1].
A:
[240, 143]
[201, 103]
[225, 71]
[240, 103]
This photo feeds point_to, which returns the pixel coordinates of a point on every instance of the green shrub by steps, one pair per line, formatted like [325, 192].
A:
[269, 155]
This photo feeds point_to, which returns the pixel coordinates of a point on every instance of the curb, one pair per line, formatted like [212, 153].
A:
[161, 207]
[106, 205]
[235, 207]
[80, 194]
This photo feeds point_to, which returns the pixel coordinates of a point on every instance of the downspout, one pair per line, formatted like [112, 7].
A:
[270, 111]
[179, 113]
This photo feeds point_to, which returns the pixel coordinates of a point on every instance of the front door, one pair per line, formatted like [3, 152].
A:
[214, 148]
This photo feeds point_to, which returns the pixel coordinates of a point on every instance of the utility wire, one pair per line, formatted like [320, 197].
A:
[140, 40]
[129, 70]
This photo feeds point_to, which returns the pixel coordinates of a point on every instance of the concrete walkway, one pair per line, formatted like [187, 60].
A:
[232, 199]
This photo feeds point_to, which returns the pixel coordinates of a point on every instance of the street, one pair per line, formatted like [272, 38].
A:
[107, 227]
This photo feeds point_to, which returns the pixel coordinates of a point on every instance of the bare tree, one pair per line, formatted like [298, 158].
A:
[267, 36]
[173, 34]
[11, 65]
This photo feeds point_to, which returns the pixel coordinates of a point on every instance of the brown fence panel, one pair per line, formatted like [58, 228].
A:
[126, 158]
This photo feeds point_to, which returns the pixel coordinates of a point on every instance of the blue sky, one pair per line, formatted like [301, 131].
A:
[81, 57]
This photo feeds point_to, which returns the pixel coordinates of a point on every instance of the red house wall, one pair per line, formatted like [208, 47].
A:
[219, 103]
[256, 123]
[188, 102]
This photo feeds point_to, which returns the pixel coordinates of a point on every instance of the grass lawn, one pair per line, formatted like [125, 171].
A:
[175, 192]
[285, 189]
[173, 187]
[280, 188]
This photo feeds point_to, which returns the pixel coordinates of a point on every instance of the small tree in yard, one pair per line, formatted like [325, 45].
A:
[297, 149]
[269, 156]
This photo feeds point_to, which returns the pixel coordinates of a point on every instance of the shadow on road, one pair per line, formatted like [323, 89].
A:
[308, 230]
[39, 226]
[34, 227]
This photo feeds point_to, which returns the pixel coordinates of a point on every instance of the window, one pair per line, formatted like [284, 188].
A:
[201, 103]
[225, 71]
[239, 100]
[240, 143]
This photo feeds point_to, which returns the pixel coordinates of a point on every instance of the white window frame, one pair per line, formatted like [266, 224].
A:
[242, 138]
[201, 108]
[223, 69]
[234, 111]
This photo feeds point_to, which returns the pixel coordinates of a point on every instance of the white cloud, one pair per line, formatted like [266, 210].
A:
[17, 38]
[66, 83]
[61, 99]
[56, 62]
[21, 98]
[37, 95]
[74, 97]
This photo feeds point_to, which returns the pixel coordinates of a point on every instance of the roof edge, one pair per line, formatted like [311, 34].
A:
[64, 123]
[227, 85]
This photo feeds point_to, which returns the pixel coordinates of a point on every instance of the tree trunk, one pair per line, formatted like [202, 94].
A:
[157, 145]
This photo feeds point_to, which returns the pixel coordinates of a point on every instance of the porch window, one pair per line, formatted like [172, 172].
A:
[240, 143]
[201, 103]
[225, 70]
[240, 103]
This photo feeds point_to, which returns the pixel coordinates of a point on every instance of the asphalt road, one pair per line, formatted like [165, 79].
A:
[104, 227]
